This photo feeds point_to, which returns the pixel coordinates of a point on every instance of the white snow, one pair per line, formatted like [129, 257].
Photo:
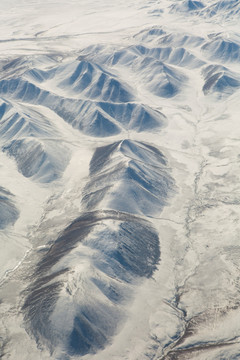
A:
[82, 75]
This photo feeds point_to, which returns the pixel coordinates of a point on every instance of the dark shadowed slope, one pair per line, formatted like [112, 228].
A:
[222, 50]
[43, 161]
[220, 81]
[31, 140]
[8, 211]
[80, 287]
[129, 176]
[84, 95]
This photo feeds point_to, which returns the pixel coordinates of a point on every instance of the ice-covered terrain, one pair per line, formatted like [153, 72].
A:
[119, 187]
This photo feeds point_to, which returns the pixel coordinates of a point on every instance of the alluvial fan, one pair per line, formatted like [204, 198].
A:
[119, 189]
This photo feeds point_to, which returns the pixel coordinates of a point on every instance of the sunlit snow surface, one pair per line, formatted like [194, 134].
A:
[119, 187]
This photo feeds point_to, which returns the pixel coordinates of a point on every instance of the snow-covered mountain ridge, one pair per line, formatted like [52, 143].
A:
[119, 194]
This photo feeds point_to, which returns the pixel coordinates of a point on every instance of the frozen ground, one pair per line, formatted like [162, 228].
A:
[119, 188]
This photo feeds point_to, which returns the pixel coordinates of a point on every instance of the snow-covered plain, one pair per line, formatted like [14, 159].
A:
[119, 187]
